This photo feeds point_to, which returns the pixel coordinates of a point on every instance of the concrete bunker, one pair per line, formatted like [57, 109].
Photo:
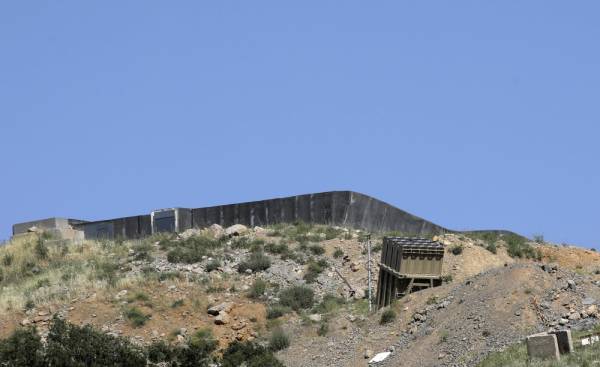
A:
[408, 264]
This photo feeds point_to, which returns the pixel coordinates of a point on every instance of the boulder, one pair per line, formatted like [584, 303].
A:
[216, 230]
[592, 311]
[222, 318]
[315, 317]
[236, 230]
[222, 307]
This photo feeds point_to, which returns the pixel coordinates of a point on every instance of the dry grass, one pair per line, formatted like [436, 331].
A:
[61, 272]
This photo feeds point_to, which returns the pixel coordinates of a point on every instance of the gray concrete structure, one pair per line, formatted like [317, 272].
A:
[45, 224]
[341, 208]
[564, 340]
[542, 346]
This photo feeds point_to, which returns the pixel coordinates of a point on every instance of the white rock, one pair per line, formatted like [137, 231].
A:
[236, 230]
[315, 317]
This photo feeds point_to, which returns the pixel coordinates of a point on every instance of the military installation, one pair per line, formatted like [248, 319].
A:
[408, 264]
[338, 208]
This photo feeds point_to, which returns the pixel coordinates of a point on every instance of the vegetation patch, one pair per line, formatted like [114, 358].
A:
[387, 316]
[278, 340]
[136, 316]
[297, 297]
[314, 269]
[257, 261]
[257, 289]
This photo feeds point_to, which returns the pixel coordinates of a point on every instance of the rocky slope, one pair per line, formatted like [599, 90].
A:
[195, 281]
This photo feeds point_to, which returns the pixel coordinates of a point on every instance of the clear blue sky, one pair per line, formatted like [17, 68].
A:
[471, 114]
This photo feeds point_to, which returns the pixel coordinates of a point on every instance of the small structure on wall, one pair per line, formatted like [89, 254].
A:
[408, 264]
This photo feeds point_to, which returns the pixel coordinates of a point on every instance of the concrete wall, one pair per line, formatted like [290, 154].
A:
[341, 208]
[49, 223]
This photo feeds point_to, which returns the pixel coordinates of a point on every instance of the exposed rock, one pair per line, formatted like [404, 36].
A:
[190, 233]
[222, 307]
[222, 318]
[238, 326]
[217, 230]
[368, 353]
[25, 322]
[315, 317]
[236, 230]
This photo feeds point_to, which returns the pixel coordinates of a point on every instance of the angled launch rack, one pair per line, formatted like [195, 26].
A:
[408, 264]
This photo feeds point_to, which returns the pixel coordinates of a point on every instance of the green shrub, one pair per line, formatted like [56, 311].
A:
[214, 264]
[316, 249]
[338, 253]
[279, 248]
[278, 340]
[136, 316]
[192, 249]
[314, 269]
[7, 260]
[22, 348]
[330, 303]
[72, 345]
[387, 316]
[44, 282]
[108, 271]
[447, 278]
[323, 329]
[518, 247]
[177, 303]
[257, 289]
[456, 249]
[41, 250]
[161, 352]
[249, 354]
[297, 297]
[276, 311]
[168, 275]
[257, 261]
[491, 247]
[143, 251]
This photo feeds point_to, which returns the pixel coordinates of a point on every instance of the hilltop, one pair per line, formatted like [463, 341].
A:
[299, 289]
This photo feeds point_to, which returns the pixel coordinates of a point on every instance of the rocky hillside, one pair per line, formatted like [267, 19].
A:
[299, 290]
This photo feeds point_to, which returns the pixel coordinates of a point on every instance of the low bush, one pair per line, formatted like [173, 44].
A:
[278, 340]
[297, 297]
[257, 261]
[257, 289]
[143, 251]
[323, 329]
[277, 248]
[248, 354]
[314, 269]
[517, 246]
[387, 316]
[338, 253]
[23, 348]
[329, 304]
[41, 250]
[316, 249]
[213, 264]
[192, 249]
[491, 247]
[456, 249]
[107, 271]
[177, 303]
[276, 311]
[136, 316]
